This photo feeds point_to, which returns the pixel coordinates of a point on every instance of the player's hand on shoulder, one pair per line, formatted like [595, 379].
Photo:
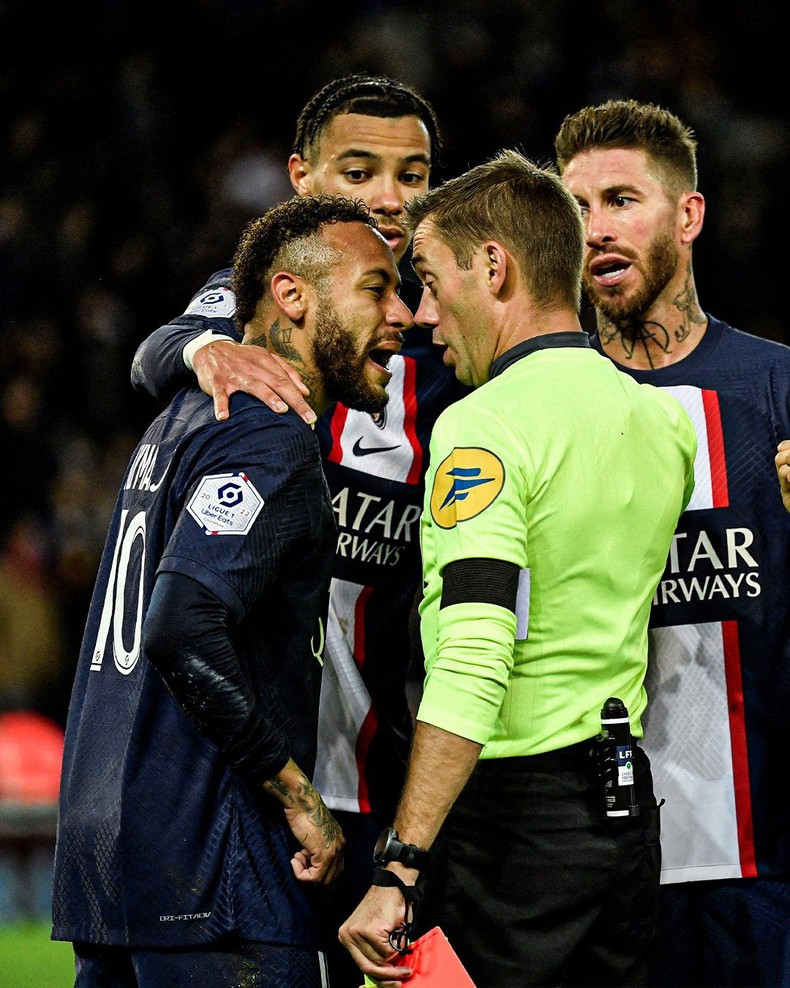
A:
[224, 367]
[782, 461]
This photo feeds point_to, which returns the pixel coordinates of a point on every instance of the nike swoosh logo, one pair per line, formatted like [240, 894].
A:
[359, 450]
[158, 484]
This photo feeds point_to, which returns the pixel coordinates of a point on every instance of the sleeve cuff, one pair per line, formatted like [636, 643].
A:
[198, 342]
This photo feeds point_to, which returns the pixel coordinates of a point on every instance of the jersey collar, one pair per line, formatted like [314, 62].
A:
[548, 341]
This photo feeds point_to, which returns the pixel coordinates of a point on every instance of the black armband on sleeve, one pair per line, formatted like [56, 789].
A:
[200, 666]
[480, 581]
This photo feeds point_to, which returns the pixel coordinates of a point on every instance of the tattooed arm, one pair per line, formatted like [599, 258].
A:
[321, 858]
[201, 668]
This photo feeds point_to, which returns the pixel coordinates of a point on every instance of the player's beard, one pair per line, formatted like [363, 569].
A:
[341, 365]
[622, 308]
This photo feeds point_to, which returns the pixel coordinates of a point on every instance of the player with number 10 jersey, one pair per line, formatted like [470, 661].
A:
[161, 841]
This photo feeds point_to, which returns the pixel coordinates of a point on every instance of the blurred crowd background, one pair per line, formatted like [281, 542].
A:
[139, 137]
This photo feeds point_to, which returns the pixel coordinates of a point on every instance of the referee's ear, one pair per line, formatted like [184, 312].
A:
[497, 262]
[289, 294]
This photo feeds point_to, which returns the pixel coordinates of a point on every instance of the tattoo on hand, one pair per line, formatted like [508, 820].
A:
[308, 800]
[325, 822]
[277, 788]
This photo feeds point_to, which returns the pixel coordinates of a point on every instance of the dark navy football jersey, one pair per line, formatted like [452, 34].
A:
[375, 467]
[717, 729]
[160, 841]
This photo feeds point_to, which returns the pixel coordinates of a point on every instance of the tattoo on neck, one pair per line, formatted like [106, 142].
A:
[641, 337]
[259, 340]
[310, 378]
[690, 312]
[281, 343]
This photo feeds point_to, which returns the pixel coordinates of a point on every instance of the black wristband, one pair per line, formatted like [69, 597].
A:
[400, 937]
[388, 879]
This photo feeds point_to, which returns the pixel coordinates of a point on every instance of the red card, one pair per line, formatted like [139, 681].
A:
[435, 964]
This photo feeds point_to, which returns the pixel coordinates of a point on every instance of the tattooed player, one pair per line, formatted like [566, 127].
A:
[717, 729]
[374, 139]
[190, 836]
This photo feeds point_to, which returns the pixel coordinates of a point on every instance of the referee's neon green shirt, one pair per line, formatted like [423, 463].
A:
[566, 467]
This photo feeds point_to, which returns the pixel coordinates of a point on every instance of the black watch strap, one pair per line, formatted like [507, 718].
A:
[389, 847]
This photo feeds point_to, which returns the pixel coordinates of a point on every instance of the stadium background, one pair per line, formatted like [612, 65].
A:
[138, 137]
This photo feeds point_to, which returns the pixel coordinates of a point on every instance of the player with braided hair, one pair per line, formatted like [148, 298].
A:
[362, 136]
[373, 96]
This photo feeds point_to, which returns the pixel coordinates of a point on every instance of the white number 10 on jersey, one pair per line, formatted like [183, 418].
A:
[113, 611]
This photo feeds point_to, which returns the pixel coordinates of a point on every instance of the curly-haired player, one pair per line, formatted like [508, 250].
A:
[190, 832]
[374, 139]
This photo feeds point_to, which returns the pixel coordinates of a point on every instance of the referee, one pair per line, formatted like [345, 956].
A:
[551, 500]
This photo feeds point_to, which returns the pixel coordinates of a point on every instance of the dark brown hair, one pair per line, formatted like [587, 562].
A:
[287, 234]
[630, 124]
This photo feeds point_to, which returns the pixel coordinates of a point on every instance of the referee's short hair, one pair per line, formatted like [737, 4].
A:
[370, 95]
[288, 237]
[524, 207]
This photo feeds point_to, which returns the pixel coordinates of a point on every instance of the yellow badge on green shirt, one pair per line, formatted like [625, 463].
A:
[466, 482]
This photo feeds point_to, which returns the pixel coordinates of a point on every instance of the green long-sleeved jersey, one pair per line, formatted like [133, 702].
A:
[551, 501]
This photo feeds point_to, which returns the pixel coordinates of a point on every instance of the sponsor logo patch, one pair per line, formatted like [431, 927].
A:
[216, 302]
[466, 483]
[225, 504]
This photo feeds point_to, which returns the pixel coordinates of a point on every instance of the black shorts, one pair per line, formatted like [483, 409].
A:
[535, 887]
[226, 963]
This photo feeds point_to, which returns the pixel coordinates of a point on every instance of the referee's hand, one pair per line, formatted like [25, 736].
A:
[366, 936]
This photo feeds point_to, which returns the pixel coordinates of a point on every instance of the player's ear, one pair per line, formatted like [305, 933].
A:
[300, 173]
[692, 216]
[288, 292]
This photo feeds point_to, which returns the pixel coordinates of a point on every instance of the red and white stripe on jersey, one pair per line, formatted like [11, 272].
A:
[710, 468]
[696, 740]
[346, 720]
[392, 451]
[695, 730]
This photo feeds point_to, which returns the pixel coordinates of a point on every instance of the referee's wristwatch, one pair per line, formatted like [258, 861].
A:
[389, 847]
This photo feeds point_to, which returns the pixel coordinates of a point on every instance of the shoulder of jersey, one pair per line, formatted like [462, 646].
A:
[216, 300]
